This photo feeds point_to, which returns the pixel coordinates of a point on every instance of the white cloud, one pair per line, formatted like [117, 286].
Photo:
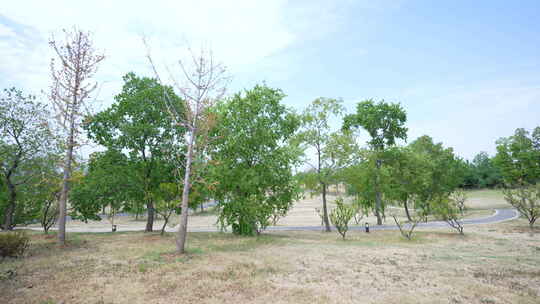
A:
[243, 34]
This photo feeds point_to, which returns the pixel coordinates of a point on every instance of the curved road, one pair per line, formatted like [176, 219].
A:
[500, 215]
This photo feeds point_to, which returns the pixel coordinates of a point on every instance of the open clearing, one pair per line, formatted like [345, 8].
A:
[492, 263]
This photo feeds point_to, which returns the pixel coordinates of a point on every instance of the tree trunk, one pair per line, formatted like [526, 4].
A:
[62, 204]
[10, 208]
[325, 211]
[378, 202]
[166, 218]
[150, 218]
[407, 210]
[182, 229]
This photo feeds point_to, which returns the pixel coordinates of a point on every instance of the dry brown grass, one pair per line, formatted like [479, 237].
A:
[491, 264]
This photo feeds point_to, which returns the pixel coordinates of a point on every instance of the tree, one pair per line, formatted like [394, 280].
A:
[26, 141]
[408, 174]
[526, 199]
[70, 90]
[443, 169]
[138, 124]
[252, 159]
[364, 181]
[341, 216]
[107, 183]
[518, 157]
[407, 230]
[459, 197]
[385, 124]
[449, 209]
[332, 149]
[481, 172]
[205, 81]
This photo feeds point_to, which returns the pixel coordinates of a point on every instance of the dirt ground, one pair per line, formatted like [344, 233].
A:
[496, 263]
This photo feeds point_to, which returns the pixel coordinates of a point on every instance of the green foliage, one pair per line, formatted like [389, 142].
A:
[360, 180]
[341, 216]
[108, 182]
[443, 171]
[252, 159]
[526, 199]
[409, 175]
[383, 121]
[518, 157]
[139, 125]
[450, 210]
[27, 146]
[385, 124]
[13, 244]
[482, 172]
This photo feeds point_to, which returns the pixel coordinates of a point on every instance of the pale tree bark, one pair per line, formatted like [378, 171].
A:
[70, 89]
[204, 82]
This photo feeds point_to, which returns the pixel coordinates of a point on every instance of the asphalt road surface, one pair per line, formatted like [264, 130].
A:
[500, 215]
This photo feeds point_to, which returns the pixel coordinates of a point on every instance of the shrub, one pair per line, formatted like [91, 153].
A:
[450, 210]
[341, 216]
[526, 199]
[13, 243]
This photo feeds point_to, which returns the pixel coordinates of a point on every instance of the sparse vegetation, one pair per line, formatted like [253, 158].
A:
[341, 216]
[526, 199]
[13, 243]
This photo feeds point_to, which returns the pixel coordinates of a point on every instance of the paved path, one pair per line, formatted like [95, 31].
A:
[500, 215]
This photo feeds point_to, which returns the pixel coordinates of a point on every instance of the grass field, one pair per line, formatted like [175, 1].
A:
[492, 264]
[495, 263]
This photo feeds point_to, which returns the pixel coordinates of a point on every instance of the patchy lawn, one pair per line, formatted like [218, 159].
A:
[497, 263]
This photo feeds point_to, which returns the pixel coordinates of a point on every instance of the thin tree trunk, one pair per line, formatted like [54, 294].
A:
[150, 218]
[182, 229]
[166, 218]
[10, 208]
[407, 210]
[325, 210]
[62, 204]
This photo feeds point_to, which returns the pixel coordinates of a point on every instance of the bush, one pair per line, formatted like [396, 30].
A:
[13, 244]
[450, 210]
[341, 216]
[526, 199]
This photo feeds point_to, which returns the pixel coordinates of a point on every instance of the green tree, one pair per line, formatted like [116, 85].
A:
[444, 172]
[26, 141]
[332, 149]
[408, 174]
[484, 172]
[107, 184]
[252, 159]
[138, 123]
[341, 216]
[518, 157]
[385, 124]
[526, 199]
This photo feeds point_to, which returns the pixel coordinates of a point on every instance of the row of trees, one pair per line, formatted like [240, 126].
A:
[187, 142]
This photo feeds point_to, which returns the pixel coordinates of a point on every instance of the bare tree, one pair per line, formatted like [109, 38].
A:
[71, 87]
[408, 229]
[203, 82]
[459, 197]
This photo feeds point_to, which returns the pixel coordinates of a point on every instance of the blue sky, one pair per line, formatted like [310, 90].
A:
[467, 72]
